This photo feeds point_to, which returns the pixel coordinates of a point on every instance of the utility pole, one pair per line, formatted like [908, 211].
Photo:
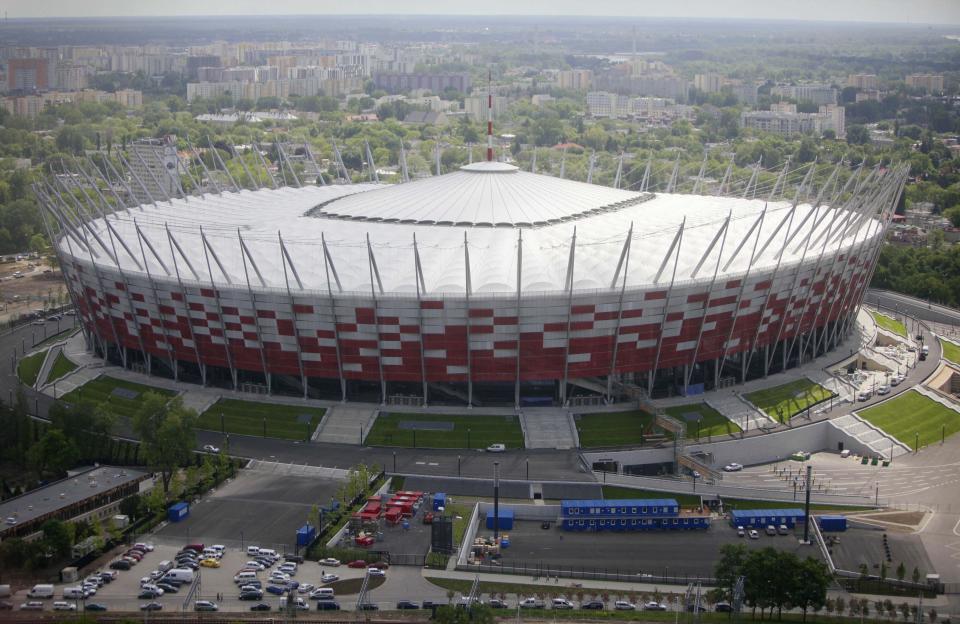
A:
[806, 509]
[496, 502]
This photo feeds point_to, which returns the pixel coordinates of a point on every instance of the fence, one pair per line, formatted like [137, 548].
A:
[539, 569]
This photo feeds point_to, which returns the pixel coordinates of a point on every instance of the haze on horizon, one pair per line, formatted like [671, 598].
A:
[940, 12]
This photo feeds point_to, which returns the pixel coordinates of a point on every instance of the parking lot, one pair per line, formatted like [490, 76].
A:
[864, 545]
[255, 508]
[658, 553]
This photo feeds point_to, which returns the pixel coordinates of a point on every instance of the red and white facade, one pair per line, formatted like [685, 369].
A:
[487, 277]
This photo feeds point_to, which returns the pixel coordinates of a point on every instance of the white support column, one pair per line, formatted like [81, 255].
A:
[327, 266]
[313, 161]
[467, 292]
[699, 180]
[186, 307]
[722, 189]
[674, 175]
[405, 174]
[706, 302]
[263, 163]
[143, 187]
[371, 166]
[757, 226]
[245, 255]
[677, 243]
[216, 157]
[533, 161]
[246, 170]
[766, 299]
[156, 302]
[751, 189]
[285, 260]
[207, 251]
[374, 286]
[421, 290]
[203, 166]
[569, 287]
[563, 163]
[645, 180]
[625, 261]
[779, 184]
[286, 159]
[590, 167]
[516, 384]
[616, 179]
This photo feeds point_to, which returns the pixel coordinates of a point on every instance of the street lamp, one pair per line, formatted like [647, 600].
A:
[468, 437]
[458, 465]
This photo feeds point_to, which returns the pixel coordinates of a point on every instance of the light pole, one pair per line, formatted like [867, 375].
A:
[496, 501]
[458, 465]
[394, 461]
[468, 437]
[916, 442]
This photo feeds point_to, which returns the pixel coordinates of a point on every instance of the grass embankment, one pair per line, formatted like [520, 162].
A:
[616, 429]
[61, 367]
[711, 423]
[466, 432]
[911, 414]
[288, 422]
[951, 351]
[100, 391]
[783, 402]
[889, 323]
[29, 367]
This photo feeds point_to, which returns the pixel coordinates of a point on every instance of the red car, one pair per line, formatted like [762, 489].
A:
[383, 565]
[359, 563]
[428, 517]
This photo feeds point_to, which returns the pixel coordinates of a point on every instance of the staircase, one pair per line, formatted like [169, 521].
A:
[548, 428]
[866, 434]
[739, 412]
[844, 391]
[344, 424]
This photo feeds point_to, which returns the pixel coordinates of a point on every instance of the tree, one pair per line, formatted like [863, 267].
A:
[954, 215]
[883, 571]
[730, 567]
[166, 432]
[58, 536]
[916, 575]
[901, 571]
[808, 585]
[858, 135]
[132, 506]
[53, 453]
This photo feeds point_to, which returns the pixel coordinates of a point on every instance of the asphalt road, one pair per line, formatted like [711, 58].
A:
[914, 307]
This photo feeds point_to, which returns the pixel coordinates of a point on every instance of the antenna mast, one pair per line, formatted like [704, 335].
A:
[489, 117]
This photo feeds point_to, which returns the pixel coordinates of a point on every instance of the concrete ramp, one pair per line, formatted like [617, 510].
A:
[548, 428]
[346, 424]
[739, 412]
[878, 442]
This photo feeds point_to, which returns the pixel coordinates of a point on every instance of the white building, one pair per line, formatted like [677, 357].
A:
[819, 94]
[785, 121]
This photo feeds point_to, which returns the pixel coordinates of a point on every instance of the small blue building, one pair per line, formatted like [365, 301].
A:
[306, 535]
[766, 517]
[642, 514]
[506, 519]
[178, 512]
[439, 500]
[832, 523]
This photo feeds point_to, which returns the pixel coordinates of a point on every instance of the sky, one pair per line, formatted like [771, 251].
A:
[895, 11]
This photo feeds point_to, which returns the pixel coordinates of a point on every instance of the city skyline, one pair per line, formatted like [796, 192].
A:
[883, 11]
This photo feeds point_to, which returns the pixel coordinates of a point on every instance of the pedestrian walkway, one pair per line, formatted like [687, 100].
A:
[551, 428]
[739, 411]
[48, 360]
[297, 470]
[845, 392]
[346, 424]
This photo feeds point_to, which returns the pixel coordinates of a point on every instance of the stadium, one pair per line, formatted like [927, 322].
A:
[488, 285]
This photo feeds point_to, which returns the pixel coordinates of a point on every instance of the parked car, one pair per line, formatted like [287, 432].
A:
[145, 545]
[429, 604]
[210, 448]
[623, 605]
[428, 517]
[63, 605]
[277, 590]
[593, 605]
[306, 588]
[262, 606]
[366, 606]
[375, 572]
[561, 603]
[531, 603]
[150, 593]
[357, 563]
[383, 565]
[752, 534]
[740, 531]
[328, 605]
[654, 606]
[32, 605]
[151, 606]
[121, 564]
[329, 578]
[95, 606]
[210, 563]
[733, 467]
[168, 588]
[330, 561]
[496, 603]
[884, 389]
[497, 448]
[771, 530]
[723, 607]
[783, 530]
[407, 604]
[254, 594]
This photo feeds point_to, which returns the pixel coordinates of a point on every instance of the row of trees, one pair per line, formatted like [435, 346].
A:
[773, 579]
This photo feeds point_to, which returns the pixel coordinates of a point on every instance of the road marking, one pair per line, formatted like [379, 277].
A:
[433, 464]
[420, 463]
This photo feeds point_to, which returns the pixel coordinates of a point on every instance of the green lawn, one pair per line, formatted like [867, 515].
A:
[784, 402]
[712, 422]
[100, 390]
[61, 366]
[912, 413]
[29, 367]
[890, 324]
[950, 351]
[467, 432]
[262, 419]
[616, 429]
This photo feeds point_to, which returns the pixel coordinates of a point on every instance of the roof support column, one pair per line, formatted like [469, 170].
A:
[217, 158]
[674, 247]
[469, 288]
[246, 170]
[309, 153]
[263, 163]
[284, 158]
[186, 306]
[569, 286]
[706, 302]
[327, 267]
[757, 226]
[645, 180]
[374, 286]
[143, 187]
[245, 255]
[285, 260]
[625, 262]
[779, 183]
[617, 178]
[203, 165]
[421, 289]
[207, 251]
[516, 383]
[156, 302]
[152, 175]
[133, 311]
[699, 180]
[674, 175]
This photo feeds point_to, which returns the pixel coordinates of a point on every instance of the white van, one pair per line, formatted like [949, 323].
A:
[184, 575]
[165, 566]
[211, 553]
[267, 552]
[244, 577]
[322, 593]
[74, 593]
[253, 551]
[42, 590]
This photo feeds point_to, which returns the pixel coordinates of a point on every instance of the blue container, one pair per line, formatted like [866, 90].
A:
[439, 500]
[506, 520]
[306, 535]
[832, 523]
[178, 512]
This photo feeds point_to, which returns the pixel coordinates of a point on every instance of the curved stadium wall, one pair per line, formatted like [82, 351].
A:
[344, 318]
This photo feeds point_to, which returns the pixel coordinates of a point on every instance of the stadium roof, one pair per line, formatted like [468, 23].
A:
[369, 231]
